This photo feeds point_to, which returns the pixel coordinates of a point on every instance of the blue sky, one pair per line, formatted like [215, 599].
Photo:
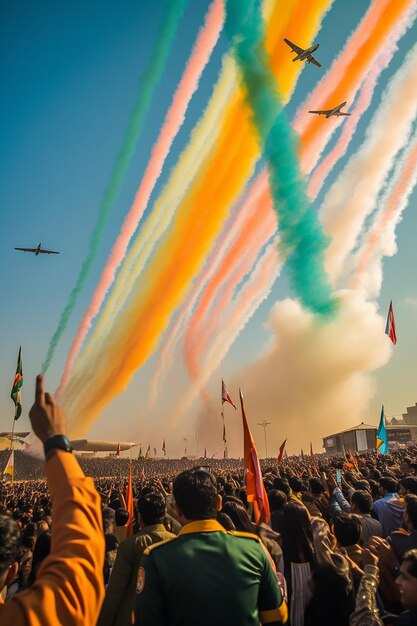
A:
[70, 74]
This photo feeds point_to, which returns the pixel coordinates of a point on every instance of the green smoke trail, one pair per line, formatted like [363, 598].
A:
[149, 80]
[302, 238]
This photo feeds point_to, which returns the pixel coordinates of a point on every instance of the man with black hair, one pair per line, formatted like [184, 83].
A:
[347, 530]
[277, 503]
[121, 518]
[361, 502]
[206, 575]
[315, 500]
[408, 485]
[297, 487]
[282, 484]
[407, 465]
[389, 509]
[119, 601]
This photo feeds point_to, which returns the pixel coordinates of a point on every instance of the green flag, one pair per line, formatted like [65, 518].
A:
[16, 394]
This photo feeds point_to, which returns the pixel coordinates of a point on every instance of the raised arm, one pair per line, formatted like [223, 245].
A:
[69, 586]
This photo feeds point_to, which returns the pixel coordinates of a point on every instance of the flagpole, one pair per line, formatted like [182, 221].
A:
[225, 456]
[17, 398]
[11, 447]
[264, 424]
[222, 416]
[12, 436]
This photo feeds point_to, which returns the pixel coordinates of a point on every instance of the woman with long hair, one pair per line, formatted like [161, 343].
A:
[239, 517]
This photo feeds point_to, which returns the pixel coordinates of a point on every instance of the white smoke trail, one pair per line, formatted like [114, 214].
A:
[353, 196]
[380, 240]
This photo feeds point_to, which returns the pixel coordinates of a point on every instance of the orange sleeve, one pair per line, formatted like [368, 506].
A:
[69, 587]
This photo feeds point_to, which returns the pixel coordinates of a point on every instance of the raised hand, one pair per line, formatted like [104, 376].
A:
[46, 416]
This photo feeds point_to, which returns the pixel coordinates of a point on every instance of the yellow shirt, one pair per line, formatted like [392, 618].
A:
[69, 586]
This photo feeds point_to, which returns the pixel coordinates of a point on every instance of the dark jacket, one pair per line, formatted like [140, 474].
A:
[120, 596]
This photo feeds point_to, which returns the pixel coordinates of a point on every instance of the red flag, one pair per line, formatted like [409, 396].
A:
[118, 450]
[255, 490]
[390, 325]
[281, 451]
[129, 503]
[225, 396]
[353, 461]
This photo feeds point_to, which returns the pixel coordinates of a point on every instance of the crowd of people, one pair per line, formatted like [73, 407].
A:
[339, 548]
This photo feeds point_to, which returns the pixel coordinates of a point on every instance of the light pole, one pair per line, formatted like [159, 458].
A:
[264, 424]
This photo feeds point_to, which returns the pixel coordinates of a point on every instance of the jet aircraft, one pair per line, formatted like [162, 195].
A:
[303, 55]
[335, 112]
[38, 250]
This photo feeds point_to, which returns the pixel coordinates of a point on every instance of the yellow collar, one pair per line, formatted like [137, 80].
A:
[202, 526]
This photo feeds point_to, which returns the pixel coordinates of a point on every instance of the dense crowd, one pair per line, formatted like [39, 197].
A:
[340, 547]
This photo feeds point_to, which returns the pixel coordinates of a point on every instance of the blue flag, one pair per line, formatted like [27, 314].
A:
[381, 435]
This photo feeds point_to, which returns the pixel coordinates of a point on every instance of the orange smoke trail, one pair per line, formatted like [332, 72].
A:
[393, 207]
[199, 58]
[237, 125]
[314, 136]
[230, 231]
[197, 223]
[256, 230]
[160, 218]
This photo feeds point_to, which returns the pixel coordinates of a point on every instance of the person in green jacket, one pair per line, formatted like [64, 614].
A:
[206, 576]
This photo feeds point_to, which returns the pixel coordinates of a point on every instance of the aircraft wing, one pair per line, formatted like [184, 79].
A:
[42, 251]
[344, 113]
[295, 48]
[314, 60]
[26, 249]
[319, 112]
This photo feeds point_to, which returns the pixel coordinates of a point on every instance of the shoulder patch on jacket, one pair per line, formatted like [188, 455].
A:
[149, 549]
[238, 533]
[140, 585]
